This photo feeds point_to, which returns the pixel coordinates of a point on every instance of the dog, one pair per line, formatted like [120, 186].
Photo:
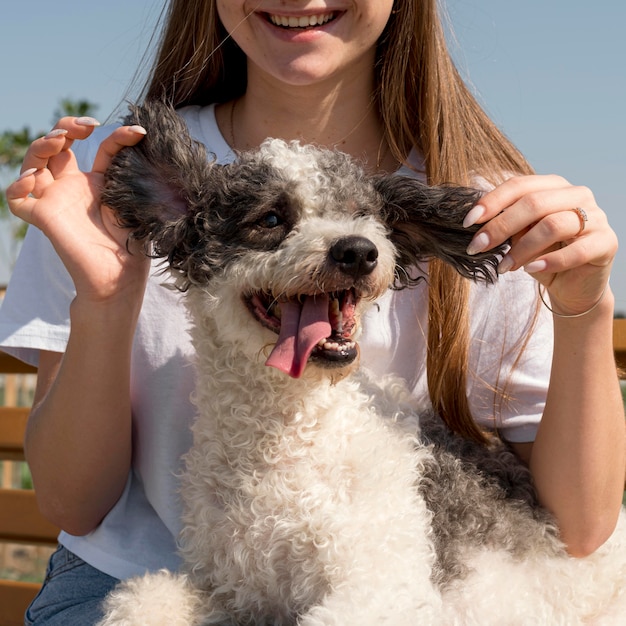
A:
[315, 494]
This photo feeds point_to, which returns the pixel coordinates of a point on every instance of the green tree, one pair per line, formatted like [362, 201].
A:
[13, 146]
[75, 108]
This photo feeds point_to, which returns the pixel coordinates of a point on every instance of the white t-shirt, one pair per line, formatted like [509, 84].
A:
[140, 532]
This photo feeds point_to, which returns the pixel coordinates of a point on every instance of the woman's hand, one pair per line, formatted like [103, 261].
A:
[550, 238]
[79, 434]
[63, 202]
[578, 458]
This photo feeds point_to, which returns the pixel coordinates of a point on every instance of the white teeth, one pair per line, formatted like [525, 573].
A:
[301, 22]
[336, 347]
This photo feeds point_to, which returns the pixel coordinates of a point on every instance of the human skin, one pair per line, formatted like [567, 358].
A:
[314, 85]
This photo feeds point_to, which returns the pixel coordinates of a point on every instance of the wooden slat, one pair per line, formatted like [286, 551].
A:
[20, 520]
[14, 598]
[10, 365]
[12, 425]
[619, 342]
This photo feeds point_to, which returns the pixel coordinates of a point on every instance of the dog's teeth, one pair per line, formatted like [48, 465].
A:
[335, 346]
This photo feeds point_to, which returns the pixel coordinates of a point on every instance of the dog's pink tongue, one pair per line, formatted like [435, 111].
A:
[302, 326]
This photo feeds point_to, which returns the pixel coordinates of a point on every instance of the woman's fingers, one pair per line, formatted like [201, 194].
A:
[19, 197]
[536, 214]
[556, 232]
[45, 148]
[60, 138]
[529, 202]
[509, 192]
[49, 159]
[562, 240]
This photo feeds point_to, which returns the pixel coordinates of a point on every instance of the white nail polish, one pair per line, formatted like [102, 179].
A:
[27, 173]
[473, 216]
[505, 264]
[57, 132]
[535, 267]
[140, 130]
[87, 121]
[479, 244]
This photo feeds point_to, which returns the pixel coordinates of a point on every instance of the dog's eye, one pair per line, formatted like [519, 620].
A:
[270, 220]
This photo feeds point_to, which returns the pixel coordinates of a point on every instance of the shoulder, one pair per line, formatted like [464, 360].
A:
[202, 126]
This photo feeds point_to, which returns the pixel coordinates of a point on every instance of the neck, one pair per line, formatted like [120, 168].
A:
[341, 116]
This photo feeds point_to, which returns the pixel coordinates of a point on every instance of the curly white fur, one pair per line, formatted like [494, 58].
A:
[314, 500]
[543, 590]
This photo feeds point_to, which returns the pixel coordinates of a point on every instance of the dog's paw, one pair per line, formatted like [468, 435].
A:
[160, 599]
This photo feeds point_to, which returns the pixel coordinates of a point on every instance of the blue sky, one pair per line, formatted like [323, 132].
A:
[552, 74]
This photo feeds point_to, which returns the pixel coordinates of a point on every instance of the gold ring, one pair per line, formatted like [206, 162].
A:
[582, 217]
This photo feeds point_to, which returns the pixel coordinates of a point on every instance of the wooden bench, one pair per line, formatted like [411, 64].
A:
[20, 520]
[619, 344]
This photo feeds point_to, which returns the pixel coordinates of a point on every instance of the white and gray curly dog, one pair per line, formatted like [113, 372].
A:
[315, 495]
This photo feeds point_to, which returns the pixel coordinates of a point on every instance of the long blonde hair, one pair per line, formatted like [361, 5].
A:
[422, 102]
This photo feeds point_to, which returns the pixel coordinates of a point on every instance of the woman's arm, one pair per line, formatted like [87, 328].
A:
[578, 459]
[78, 438]
[579, 450]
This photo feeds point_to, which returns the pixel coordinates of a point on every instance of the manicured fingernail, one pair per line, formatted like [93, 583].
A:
[138, 129]
[506, 264]
[535, 267]
[87, 121]
[473, 216]
[27, 173]
[57, 132]
[479, 244]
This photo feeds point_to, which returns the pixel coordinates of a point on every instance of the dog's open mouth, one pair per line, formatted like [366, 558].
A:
[317, 327]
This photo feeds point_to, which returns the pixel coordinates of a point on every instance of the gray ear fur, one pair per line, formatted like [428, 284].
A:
[427, 222]
[164, 189]
[156, 187]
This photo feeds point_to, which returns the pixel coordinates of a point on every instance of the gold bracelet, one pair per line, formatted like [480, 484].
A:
[540, 287]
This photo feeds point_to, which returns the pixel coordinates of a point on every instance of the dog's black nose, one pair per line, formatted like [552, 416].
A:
[354, 255]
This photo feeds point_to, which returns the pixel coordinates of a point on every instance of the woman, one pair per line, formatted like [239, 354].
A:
[374, 79]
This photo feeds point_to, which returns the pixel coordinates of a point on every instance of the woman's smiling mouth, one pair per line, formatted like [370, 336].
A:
[305, 21]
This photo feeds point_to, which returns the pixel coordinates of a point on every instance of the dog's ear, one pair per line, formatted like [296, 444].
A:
[427, 222]
[155, 188]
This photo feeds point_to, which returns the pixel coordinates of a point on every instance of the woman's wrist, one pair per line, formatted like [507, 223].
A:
[116, 316]
[562, 313]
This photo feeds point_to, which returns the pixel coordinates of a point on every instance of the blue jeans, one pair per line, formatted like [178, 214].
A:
[71, 593]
